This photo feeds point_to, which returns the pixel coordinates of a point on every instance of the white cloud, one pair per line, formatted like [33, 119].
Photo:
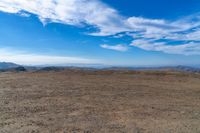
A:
[109, 22]
[185, 49]
[119, 47]
[25, 58]
[72, 12]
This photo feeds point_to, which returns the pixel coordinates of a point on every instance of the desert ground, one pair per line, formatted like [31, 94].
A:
[84, 101]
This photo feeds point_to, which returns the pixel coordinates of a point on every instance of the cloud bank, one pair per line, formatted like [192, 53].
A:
[181, 36]
[25, 58]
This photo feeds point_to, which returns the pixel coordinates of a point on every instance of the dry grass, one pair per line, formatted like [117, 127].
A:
[99, 102]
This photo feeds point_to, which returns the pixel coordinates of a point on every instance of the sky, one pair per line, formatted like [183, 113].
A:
[106, 32]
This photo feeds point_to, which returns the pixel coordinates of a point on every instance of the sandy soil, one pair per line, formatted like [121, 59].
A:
[99, 102]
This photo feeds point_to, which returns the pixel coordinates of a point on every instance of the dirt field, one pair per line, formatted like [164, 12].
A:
[99, 102]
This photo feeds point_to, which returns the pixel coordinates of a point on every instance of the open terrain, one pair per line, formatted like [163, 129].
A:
[83, 101]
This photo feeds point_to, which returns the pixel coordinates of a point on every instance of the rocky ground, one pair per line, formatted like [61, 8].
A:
[99, 102]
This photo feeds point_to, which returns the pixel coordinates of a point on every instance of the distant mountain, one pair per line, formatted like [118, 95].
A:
[176, 68]
[188, 69]
[51, 69]
[11, 67]
[8, 65]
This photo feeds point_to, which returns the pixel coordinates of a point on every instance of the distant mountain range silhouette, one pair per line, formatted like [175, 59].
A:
[9, 66]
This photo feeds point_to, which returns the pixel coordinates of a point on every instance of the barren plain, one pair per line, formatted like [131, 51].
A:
[84, 101]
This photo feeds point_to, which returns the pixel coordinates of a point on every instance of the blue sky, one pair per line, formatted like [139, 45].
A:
[109, 32]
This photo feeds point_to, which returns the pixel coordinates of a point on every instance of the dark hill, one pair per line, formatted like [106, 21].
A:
[8, 65]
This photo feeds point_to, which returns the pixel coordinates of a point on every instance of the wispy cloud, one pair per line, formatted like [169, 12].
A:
[119, 47]
[27, 58]
[108, 21]
[185, 49]
[71, 12]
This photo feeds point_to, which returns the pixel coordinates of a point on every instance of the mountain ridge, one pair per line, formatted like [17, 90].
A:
[11, 66]
[8, 65]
